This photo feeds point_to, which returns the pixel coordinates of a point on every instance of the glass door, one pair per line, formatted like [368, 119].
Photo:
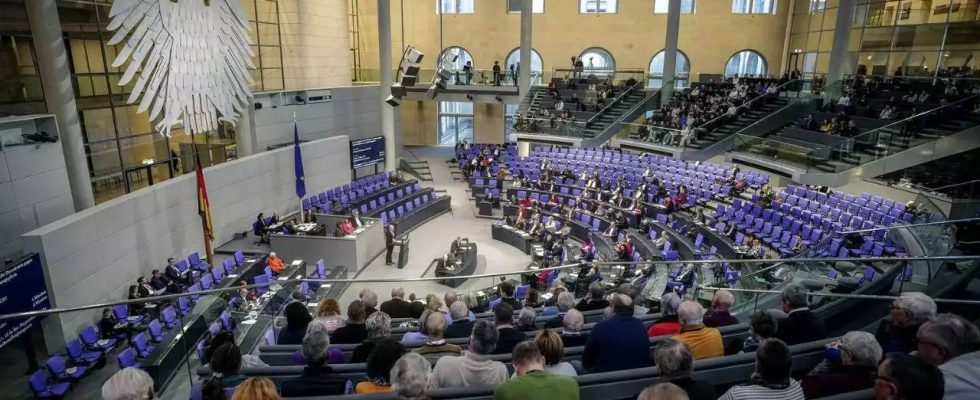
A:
[455, 122]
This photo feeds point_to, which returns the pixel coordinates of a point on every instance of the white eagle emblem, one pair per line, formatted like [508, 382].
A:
[190, 60]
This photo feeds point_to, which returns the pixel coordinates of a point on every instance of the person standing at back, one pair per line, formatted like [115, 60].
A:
[496, 73]
[619, 342]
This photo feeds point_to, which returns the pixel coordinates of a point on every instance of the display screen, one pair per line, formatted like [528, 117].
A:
[22, 289]
[367, 152]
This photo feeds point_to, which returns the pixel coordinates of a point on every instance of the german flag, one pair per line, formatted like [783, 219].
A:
[203, 206]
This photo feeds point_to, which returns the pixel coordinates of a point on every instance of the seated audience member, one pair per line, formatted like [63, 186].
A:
[110, 327]
[506, 290]
[397, 307]
[328, 312]
[355, 331]
[674, 360]
[435, 326]
[571, 329]
[664, 391]
[461, 325]
[719, 315]
[565, 301]
[448, 299]
[771, 380]
[378, 327]
[415, 306]
[174, 275]
[762, 326]
[222, 337]
[370, 301]
[134, 294]
[946, 337]
[383, 356]
[532, 299]
[419, 336]
[525, 320]
[908, 312]
[317, 378]
[619, 342]
[532, 381]
[256, 388]
[594, 299]
[158, 281]
[473, 304]
[275, 263]
[667, 324]
[905, 377]
[704, 342]
[629, 290]
[800, 324]
[129, 383]
[553, 350]
[962, 376]
[226, 362]
[410, 376]
[297, 319]
[850, 366]
[508, 336]
[474, 366]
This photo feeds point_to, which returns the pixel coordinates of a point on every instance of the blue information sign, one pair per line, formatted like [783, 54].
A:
[367, 152]
[22, 289]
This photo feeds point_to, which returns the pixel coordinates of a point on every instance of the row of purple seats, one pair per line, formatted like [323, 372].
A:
[380, 201]
[392, 216]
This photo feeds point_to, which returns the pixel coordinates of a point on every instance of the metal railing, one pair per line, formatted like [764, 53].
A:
[617, 100]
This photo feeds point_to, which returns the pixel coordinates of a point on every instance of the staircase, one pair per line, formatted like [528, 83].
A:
[532, 101]
[745, 119]
[419, 168]
[613, 113]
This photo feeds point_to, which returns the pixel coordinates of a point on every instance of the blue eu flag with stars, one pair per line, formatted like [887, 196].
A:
[298, 157]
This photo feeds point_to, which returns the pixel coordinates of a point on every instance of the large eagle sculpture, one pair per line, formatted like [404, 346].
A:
[190, 59]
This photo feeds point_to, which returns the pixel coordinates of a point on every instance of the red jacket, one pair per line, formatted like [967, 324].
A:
[664, 328]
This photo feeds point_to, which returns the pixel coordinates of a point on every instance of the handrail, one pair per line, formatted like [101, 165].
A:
[611, 103]
[841, 295]
[850, 141]
[947, 186]
[885, 228]
[747, 103]
[559, 267]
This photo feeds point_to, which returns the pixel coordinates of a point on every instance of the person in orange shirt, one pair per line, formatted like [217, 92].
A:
[275, 263]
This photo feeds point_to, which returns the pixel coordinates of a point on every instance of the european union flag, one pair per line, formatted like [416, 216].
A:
[298, 158]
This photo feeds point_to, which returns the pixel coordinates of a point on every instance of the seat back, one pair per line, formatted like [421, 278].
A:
[239, 258]
[229, 265]
[74, 349]
[127, 358]
[120, 311]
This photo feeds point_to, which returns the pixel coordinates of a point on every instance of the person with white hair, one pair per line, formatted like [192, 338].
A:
[525, 320]
[961, 373]
[317, 378]
[619, 342]
[908, 312]
[370, 300]
[474, 366]
[275, 263]
[663, 391]
[397, 307]
[565, 302]
[800, 325]
[946, 337]
[703, 341]
[460, 326]
[435, 327]
[676, 364]
[448, 299]
[129, 383]
[378, 327]
[571, 329]
[410, 376]
[667, 324]
[851, 365]
[719, 315]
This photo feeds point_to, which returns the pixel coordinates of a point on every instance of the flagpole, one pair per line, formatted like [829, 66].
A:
[204, 228]
[302, 212]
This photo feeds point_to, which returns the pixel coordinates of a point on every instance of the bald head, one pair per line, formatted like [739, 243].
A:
[573, 321]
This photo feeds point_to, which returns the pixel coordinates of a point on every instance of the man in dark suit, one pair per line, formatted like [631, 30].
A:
[461, 326]
[389, 243]
[594, 300]
[619, 342]
[158, 281]
[800, 325]
[565, 302]
[506, 290]
[397, 307]
[503, 316]
[173, 273]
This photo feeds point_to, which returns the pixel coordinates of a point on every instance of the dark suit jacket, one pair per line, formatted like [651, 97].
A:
[696, 389]
[509, 337]
[460, 328]
[397, 308]
[800, 327]
[159, 283]
[617, 343]
[590, 305]
[556, 322]
[173, 273]
[513, 303]
[574, 340]
[318, 382]
[389, 239]
[350, 333]
[291, 335]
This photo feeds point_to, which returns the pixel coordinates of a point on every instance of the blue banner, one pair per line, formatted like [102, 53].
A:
[22, 289]
[298, 158]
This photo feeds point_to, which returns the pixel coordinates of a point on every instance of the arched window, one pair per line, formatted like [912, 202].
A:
[462, 57]
[682, 70]
[746, 62]
[514, 57]
[597, 62]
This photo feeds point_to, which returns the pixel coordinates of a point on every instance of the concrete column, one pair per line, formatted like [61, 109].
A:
[842, 34]
[524, 79]
[387, 111]
[59, 96]
[245, 132]
[670, 49]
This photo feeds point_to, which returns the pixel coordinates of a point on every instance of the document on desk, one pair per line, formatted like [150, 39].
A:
[297, 262]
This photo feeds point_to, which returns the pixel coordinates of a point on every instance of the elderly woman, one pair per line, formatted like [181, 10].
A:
[525, 320]
[908, 312]
[422, 335]
[328, 312]
[378, 327]
[410, 377]
[668, 324]
[851, 365]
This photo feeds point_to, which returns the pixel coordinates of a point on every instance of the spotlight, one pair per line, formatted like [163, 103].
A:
[393, 101]
[469, 97]
[258, 105]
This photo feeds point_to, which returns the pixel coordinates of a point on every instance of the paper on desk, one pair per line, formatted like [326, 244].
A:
[312, 304]
[250, 260]
[297, 262]
[232, 275]
[282, 278]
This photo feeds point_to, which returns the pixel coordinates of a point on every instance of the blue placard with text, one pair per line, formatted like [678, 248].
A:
[22, 289]
[367, 152]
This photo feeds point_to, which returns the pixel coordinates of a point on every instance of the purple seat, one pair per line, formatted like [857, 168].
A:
[239, 258]
[521, 292]
[217, 274]
[90, 337]
[184, 305]
[260, 279]
[44, 390]
[155, 330]
[58, 369]
[417, 202]
[79, 356]
[142, 345]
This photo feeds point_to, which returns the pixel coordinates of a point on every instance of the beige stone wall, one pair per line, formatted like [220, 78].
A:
[419, 121]
[488, 123]
[315, 43]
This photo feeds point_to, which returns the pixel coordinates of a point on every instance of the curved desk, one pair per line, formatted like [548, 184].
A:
[685, 247]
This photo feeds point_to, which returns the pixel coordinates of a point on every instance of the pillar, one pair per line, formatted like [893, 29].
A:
[384, 90]
[59, 96]
[670, 49]
[524, 79]
[842, 34]
[245, 131]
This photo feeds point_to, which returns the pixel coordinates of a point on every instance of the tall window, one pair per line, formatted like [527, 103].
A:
[514, 6]
[598, 62]
[660, 6]
[510, 110]
[455, 122]
[598, 6]
[462, 57]
[514, 57]
[753, 6]
[817, 6]
[263, 18]
[682, 70]
[454, 6]
[746, 62]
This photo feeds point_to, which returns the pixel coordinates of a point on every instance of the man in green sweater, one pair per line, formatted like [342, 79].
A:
[531, 381]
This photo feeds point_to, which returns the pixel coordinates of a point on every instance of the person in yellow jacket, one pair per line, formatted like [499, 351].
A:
[703, 341]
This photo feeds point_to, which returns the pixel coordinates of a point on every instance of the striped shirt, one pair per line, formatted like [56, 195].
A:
[753, 392]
